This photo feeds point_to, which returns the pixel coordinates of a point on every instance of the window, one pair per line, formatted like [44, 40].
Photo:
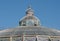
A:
[30, 23]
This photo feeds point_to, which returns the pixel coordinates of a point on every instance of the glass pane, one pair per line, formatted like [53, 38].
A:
[30, 23]
[29, 38]
[56, 39]
[42, 38]
[17, 39]
[4, 39]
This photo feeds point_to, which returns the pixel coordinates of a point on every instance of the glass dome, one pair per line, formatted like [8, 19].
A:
[29, 19]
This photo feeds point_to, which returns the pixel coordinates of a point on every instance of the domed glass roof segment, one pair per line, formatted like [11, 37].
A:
[30, 30]
[29, 19]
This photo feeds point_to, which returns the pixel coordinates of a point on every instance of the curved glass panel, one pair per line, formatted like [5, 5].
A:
[42, 38]
[30, 23]
[17, 39]
[29, 39]
[4, 39]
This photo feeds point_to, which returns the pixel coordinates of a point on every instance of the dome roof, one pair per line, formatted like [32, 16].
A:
[29, 25]
[29, 30]
[29, 19]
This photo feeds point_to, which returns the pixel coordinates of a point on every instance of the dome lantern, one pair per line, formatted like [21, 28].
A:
[29, 11]
[29, 19]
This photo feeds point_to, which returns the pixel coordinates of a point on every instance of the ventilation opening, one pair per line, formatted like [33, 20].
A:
[35, 24]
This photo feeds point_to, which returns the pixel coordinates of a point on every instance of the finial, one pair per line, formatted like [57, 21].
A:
[29, 10]
[29, 6]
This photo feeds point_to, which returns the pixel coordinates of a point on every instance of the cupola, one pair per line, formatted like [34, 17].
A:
[29, 19]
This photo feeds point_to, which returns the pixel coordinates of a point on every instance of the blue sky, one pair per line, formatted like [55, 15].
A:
[11, 11]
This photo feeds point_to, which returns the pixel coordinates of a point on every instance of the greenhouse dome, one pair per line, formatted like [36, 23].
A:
[30, 29]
